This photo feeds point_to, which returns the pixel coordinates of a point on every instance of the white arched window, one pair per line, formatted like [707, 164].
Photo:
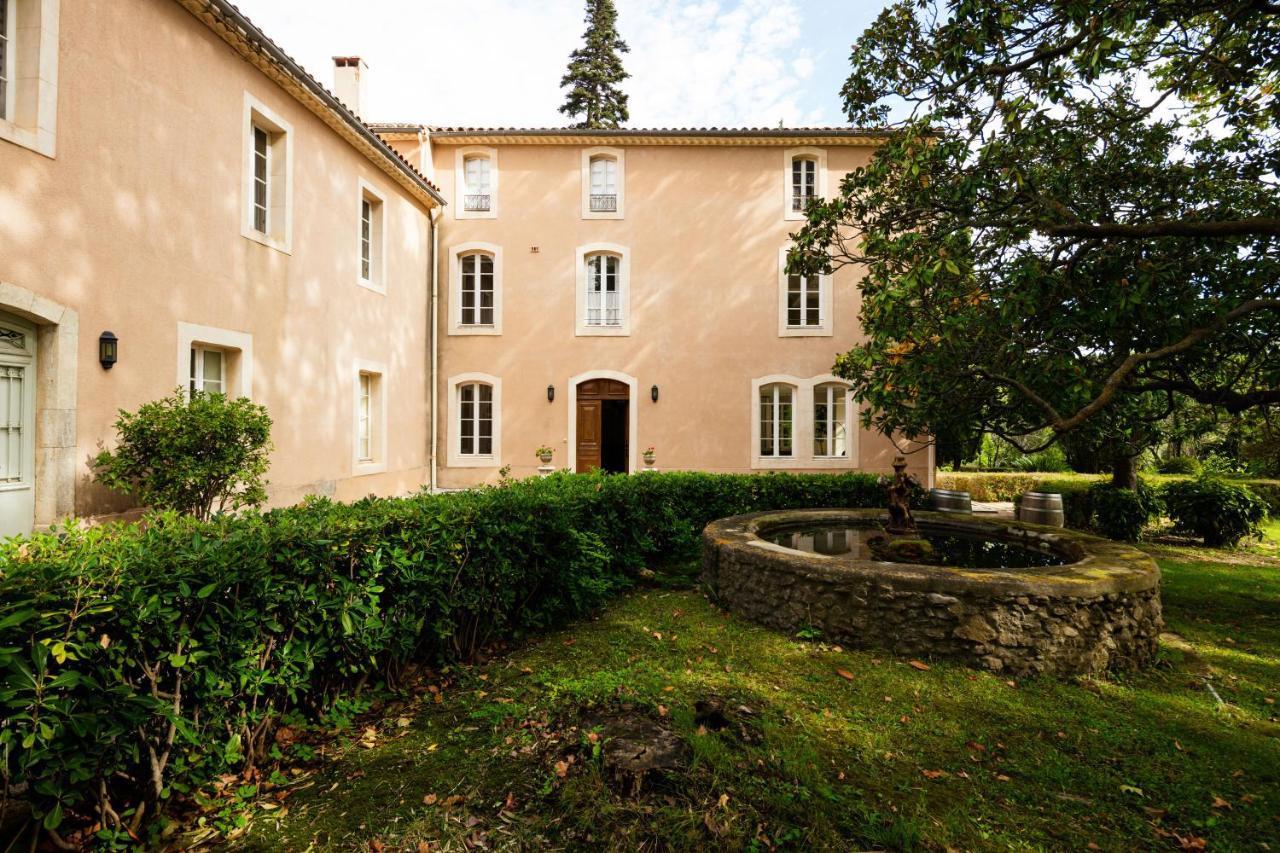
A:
[475, 419]
[804, 179]
[804, 182]
[777, 421]
[830, 421]
[604, 294]
[477, 289]
[603, 183]
[475, 183]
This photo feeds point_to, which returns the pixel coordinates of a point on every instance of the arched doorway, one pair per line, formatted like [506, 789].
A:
[17, 425]
[603, 432]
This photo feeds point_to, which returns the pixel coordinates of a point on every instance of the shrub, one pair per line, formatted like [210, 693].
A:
[1122, 513]
[198, 456]
[1180, 465]
[1221, 513]
[141, 661]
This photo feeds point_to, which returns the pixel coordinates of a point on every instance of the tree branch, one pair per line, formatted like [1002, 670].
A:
[1251, 226]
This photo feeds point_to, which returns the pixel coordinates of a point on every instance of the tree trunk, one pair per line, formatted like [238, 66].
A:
[1124, 472]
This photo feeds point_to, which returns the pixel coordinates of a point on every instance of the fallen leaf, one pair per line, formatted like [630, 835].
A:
[845, 674]
[702, 730]
[662, 710]
[934, 774]
[376, 846]
[1002, 777]
[429, 800]
[975, 746]
[562, 769]
[403, 722]
[724, 800]
[920, 665]
[1219, 803]
[424, 847]
[1092, 846]
[668, 689]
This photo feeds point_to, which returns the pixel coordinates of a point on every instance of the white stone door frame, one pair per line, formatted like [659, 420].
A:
[633, 414]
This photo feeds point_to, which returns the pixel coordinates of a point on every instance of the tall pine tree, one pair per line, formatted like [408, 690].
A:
[595, 70]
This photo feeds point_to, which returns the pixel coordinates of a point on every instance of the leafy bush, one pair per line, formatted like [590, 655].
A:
[1221, 513]
[1180, 465]
[198, 456]
[140, 661]
[1122, 513]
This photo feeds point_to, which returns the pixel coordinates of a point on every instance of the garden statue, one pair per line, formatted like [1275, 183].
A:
[900, 518]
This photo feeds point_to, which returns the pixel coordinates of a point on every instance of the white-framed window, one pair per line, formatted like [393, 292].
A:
[831, 421]
[371, 239]
[268, 176]
[803, 423]
[805, 303]
[804, 178]
[604, 290]
[777, 421]
[475, 420]
[369, 424]
[208, 370]
[29, 74]
[603, 183]
[215, 361]
[475, 183]
[475, 289]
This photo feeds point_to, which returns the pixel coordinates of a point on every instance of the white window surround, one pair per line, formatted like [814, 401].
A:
[30, 118]
[377, 463]
[280, 189]
[460, 182]
[454, 456]
[825, 327]
[619, 156]
[377, 280]
[623, 254]
[456, 253]
[819, 156]
[802, 425]
[633, 415]
[237, 365]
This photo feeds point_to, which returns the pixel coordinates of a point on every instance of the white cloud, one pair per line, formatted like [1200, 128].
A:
[489, 62]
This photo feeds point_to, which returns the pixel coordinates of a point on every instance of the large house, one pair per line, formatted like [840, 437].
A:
[183, 206]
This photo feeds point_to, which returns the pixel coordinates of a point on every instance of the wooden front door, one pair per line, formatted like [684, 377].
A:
[603, 417]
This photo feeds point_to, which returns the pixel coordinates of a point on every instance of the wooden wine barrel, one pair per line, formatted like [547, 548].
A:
[949, 500]
[1042, 508]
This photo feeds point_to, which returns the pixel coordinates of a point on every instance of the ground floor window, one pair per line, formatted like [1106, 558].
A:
[475, 419]
[208, 371]
[830, 428]
[776, 420]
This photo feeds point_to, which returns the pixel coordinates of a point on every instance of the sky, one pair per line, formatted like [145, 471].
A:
[693, 63]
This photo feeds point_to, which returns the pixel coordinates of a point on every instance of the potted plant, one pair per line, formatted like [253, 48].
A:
[544, 454]
[649, 456]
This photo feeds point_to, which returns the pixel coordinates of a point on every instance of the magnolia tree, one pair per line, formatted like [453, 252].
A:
[1073, 227]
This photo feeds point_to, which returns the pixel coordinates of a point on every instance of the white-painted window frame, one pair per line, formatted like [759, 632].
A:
[456, 254]
[9, 60]
[455, 457]
[623, 254]
[279, 234]
[460, 182]
[836, 397]
[802, 429]
[237, 357]
[200, 355]
[826, 305]
[789, 156]
[30, 115]
[619, 157]
[367, 193]
[375, 415]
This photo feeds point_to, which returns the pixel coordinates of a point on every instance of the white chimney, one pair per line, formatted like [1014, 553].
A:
[349, 73]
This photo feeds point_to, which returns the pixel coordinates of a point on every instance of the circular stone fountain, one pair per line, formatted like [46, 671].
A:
[1004, 596]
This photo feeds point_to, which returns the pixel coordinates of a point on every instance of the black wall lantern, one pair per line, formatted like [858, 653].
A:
[551, 393]
[107, 349]
[653, 393]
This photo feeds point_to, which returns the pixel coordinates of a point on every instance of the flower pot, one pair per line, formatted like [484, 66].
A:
[544, 458]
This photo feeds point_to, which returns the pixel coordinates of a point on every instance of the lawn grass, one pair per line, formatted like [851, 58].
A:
[840, 749]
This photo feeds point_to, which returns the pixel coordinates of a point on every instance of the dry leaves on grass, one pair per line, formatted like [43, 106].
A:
[845, 674]
[920, 665]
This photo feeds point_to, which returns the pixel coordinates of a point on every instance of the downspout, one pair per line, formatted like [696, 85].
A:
[433, 338]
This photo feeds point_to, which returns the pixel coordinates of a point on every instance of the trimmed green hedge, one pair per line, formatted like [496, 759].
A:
[140, 661]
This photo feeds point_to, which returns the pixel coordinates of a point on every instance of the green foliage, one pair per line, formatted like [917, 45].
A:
[139, 661]
[1180, 465]
[1077, 222]
[595, 70]
[198, 456]
[1221, 513]
[1122, 513]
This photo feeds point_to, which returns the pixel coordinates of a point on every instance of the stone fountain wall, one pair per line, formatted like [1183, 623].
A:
[1101, 612]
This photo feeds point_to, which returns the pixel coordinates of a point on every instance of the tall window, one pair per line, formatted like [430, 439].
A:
[830, 429]
[366, 239]
[475, 419]
[364, 432]
[6, 59]
[804, 301]
[777, 421]
[208, 371]
[477, 290]
[371, 240]
[261, 179]
[604, 302]
[804, 182]
[478, 192]
[604, 184]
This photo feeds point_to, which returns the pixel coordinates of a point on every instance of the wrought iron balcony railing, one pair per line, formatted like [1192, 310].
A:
[476, 202]
[604, 203]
